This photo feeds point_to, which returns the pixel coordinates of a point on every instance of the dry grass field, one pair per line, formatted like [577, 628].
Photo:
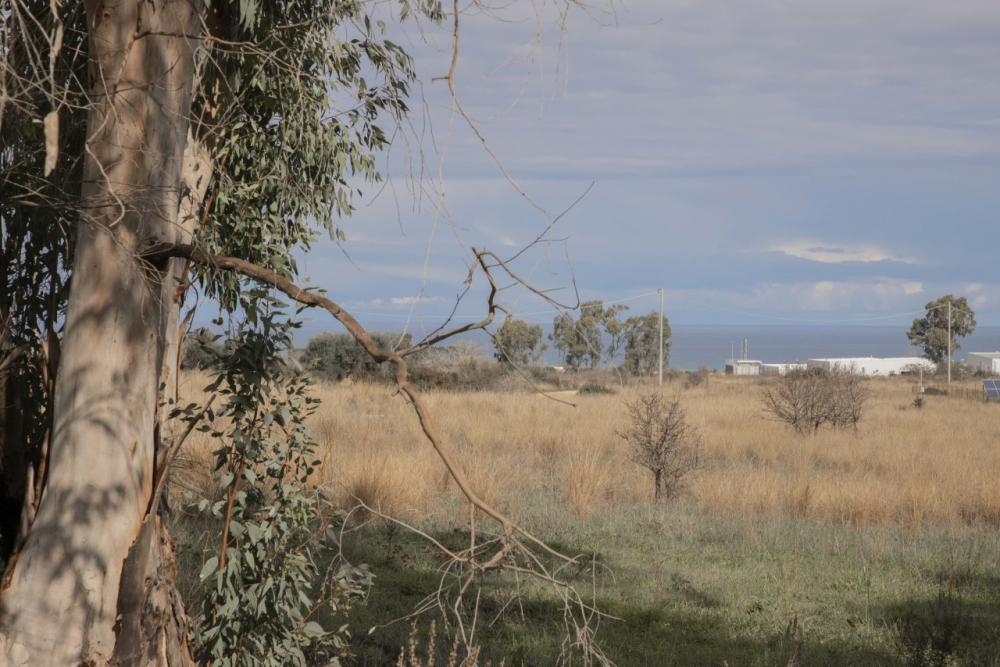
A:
[852, 548]
[904, 465]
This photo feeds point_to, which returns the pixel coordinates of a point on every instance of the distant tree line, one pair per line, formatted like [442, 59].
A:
[600, 334]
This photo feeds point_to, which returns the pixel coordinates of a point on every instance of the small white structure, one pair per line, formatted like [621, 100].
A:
[988, 362]
[781, 369]
[874, 366]
[743, 367]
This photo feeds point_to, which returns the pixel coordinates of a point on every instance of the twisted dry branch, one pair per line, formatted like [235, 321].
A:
[158, 253]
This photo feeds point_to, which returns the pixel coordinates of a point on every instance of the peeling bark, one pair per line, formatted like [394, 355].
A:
[152, 628]
[92, 556]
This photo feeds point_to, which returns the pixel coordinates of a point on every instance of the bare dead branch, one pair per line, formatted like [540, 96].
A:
[157, 253]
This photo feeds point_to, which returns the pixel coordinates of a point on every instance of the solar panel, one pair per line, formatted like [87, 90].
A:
[992, 389]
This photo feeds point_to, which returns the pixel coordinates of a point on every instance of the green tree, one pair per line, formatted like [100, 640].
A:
[614, 329]
[517, 342]
[930, 332]
[241, 128]
[150, 146]
[579, 341]
[335, 356]
[642, 343]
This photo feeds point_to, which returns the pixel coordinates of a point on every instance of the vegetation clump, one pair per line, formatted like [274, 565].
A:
[661, 439]
[518, 343]
[930, 332]
[337, 356]
[594, 388]
[812, 398]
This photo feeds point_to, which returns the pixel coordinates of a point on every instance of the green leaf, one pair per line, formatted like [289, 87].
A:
[208, 568]
[312, 629]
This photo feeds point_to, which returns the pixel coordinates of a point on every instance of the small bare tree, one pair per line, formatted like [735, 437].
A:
[661, 439]
[799, 400]
[809, 399]
[848, 395]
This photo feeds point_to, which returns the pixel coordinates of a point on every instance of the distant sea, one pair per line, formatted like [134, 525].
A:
[695, 345]
[710, 346]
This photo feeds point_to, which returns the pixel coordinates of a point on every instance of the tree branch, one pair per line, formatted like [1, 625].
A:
[157, 254]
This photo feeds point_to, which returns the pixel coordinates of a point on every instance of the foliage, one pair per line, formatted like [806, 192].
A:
[659, 438]
[472, 375]
[614, 330]
[201, 350]
[336, 356]
[808, 399]
[38, 218]
[696, 378]
[580, 341]
[285, 162]
[448, 357]
[642, 343]
[518, 343]
[594, 388]
[930, 332]
[265, 582]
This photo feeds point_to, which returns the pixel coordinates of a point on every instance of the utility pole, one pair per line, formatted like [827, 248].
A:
[661, 336]
[949, 342]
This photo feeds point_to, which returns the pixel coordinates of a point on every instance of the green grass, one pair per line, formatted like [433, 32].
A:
[696, 588]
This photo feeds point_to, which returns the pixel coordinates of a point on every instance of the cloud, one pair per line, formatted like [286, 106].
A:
[827, 253]
[414, 300]
[859, 299]
[829, 295]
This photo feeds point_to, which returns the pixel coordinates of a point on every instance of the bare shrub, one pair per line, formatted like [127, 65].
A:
[661, 439]
[808, 399]
[696, 378]
[848, 396]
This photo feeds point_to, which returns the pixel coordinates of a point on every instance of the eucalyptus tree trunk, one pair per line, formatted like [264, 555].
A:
[93, 582]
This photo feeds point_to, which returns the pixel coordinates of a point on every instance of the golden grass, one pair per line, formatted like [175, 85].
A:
[937, 465]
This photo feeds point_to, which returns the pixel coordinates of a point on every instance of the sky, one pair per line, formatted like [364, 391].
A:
[762, 161]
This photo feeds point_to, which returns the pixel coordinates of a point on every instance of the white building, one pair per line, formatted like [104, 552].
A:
[781, 369]
[874, 366]
[988, 362]
[743, 367]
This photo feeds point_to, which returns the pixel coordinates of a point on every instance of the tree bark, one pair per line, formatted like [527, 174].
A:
[71, 582]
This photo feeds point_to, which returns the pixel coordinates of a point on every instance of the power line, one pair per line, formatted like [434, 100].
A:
[478, 316]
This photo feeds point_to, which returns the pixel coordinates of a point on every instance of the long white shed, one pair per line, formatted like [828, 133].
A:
[743, 367]
[781, 369]
[874, 366]
[988, 362]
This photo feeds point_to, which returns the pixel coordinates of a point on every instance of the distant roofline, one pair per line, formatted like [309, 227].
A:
[921, 359]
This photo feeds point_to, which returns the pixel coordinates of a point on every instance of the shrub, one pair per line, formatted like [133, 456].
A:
[808, 399]
[661, 440]
[336, 356]
[594, 388]
[273, 575]
[201, 350]
[481, 375]
[696, 378]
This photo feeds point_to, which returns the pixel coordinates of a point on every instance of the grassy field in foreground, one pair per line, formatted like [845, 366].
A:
[876, 547]
[694, 588]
